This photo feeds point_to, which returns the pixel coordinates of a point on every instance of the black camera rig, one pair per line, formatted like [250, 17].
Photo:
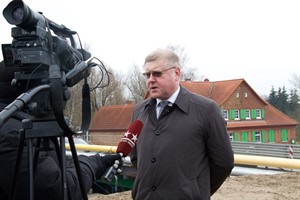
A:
[48, 62]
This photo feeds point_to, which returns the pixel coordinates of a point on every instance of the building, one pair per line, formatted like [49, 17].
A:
[249, 117]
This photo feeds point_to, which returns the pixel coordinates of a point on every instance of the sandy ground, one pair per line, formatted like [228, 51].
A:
[285, 186]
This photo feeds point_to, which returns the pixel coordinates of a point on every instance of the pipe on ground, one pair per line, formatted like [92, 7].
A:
[267, 161]
[238, 158]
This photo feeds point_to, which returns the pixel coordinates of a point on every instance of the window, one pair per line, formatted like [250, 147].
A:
[225, 114]
[236, 114]
[256, 136]
[258, 114]
[247, 114]
[231, 137]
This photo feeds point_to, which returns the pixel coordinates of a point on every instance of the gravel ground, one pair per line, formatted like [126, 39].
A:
[249, 187]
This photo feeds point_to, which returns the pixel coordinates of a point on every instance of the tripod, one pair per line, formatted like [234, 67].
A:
[44, 130]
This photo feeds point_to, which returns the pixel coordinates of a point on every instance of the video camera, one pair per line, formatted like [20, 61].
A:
[44, 53]
[45, 62]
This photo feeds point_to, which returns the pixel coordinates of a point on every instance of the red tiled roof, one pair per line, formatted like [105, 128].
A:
[219, 91]
[112, 118]
[118, 118]
[274, 116]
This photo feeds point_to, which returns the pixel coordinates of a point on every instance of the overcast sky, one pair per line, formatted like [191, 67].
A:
[258, 40]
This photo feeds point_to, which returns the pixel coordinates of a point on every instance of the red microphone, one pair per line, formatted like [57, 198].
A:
[126, 144]
[129, 139]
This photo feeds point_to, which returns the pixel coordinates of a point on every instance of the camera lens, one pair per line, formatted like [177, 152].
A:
[18, 14]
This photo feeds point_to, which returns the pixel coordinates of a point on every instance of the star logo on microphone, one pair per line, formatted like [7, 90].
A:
[134, 138]
[130, 138]
[126, 134]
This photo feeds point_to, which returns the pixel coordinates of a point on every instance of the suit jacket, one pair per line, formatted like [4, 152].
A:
[185, 154]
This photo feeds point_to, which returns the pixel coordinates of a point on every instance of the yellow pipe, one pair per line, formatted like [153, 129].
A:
[238, 158]
[94, 148]
[267, 161]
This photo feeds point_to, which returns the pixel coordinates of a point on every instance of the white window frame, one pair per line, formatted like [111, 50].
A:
[236, 115]
[258, 114]
[258, 136]
[225, 114]
[248, 114]
[231, 136]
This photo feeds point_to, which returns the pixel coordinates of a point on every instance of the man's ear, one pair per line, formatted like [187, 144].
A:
[177, 73]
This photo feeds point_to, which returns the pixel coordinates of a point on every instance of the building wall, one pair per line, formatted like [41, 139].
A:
[243, 98]
[277, 131]
[105, 138]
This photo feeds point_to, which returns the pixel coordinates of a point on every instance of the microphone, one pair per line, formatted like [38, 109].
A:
[125, 146]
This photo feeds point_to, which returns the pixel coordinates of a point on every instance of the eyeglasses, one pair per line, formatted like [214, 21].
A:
[156, 73]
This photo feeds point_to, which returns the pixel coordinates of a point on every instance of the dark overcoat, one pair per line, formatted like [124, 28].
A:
[185, 154]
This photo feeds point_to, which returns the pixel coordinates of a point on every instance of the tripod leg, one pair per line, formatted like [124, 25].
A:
[62, 162]
[30, 168]
[77, 166]
[36, 154]
[17, 165]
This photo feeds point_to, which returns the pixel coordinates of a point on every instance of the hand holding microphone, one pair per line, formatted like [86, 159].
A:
[124, 148]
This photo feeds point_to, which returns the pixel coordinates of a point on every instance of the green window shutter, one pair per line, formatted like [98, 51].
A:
[243, 113]
[253, 136]
[244, 137]
[235, 136]
[263, 113]
[263, 136]
[271, 136]
[284, 135]
[231, 114]
[253, 113]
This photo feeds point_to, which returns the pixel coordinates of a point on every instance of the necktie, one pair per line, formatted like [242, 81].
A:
[160, 107]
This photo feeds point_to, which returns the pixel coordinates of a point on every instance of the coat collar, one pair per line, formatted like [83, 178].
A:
[182, 100]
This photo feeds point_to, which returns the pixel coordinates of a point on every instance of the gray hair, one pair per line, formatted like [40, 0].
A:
[170, 57]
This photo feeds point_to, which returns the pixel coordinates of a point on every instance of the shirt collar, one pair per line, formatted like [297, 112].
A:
[171, 99]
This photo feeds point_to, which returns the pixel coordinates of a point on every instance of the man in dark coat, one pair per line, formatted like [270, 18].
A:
[184, 152]
[47, 177]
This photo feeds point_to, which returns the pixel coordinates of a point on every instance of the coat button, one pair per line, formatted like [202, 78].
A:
[157, 132]
[153, 160]
[153, 188]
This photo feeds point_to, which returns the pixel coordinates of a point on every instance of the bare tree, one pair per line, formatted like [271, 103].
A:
[187, 73]
[112, 94]
[136, 84]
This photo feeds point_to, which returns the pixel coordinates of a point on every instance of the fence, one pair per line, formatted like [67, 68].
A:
[261, 149]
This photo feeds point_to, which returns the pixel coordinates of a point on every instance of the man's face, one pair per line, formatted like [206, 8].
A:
[162, 80]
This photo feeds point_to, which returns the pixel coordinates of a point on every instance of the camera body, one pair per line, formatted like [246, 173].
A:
[42, 51]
